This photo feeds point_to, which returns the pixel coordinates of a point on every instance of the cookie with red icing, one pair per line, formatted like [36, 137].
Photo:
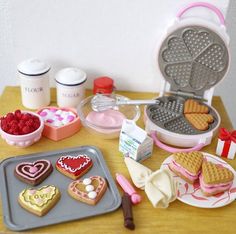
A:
[33, 173]
[74, 166]
[89, 190]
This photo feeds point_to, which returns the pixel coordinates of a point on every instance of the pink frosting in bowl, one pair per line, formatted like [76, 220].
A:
[106, 119]
[106, 124]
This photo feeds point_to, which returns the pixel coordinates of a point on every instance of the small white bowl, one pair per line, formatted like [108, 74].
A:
[26, 139]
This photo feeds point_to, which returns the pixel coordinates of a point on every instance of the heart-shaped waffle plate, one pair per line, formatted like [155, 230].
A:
[89, 190]
[193, 59]
[39, 201]
[33, 173]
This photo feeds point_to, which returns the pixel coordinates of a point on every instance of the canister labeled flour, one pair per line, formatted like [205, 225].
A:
[34, 81]
[70, 87]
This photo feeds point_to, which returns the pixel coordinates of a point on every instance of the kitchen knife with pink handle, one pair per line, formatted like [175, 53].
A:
[128, 188]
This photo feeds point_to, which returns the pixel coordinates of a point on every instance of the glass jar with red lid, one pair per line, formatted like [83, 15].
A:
[103, 85]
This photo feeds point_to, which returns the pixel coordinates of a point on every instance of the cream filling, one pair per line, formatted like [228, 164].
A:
[211, 188]
[177, 167]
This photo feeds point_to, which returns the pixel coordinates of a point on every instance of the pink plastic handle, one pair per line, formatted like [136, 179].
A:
[206, 5]
[172, 149]
[128, 188]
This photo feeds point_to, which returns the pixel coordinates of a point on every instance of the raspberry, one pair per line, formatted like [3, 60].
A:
[26, 130]
[13, 122]
[26, 117]
[10, 131]
[18, 114]
[10, 117]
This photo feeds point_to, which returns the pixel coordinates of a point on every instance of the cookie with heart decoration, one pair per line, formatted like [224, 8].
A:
[89, 190]
[39, 201]
[200, 121]
[33, 173]
[74, 166]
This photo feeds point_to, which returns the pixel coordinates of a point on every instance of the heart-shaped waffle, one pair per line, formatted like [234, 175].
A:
[89, 190]
[191, 161]
[33, 173]
[74, 166]
[200, 121]
[192, 107]
[215, 174]
[39, 201]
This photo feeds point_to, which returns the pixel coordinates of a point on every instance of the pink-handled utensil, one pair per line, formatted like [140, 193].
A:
[128, 188]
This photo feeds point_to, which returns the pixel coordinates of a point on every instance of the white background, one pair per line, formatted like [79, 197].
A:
[104, 37]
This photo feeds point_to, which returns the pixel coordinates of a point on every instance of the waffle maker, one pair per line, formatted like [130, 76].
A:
[193, 57]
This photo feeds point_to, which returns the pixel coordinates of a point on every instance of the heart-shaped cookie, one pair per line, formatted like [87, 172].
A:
[74, 166]
[33, 173]
[214, 174]
[192, 161]
[39, 201]
[194, 107]
[89, 190]
[200, 121]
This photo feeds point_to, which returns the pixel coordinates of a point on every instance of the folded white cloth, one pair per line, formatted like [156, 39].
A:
[160, 186]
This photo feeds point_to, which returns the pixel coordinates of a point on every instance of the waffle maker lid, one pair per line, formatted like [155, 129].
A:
[194, 56]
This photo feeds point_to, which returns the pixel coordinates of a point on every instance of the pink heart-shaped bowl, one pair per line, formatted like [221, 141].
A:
[26, 139]
[62, 132]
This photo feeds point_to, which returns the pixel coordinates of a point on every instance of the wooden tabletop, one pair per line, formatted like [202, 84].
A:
[177, 218]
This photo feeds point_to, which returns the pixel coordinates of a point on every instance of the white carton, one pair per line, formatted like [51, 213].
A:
[134, 141]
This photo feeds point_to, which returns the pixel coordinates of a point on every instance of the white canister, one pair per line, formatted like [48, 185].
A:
[34, 81]
[70, 87]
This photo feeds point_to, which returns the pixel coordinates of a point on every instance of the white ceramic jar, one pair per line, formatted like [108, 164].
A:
[34, 81]
[70, 87]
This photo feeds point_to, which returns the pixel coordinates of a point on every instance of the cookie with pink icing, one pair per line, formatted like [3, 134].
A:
[33, 173]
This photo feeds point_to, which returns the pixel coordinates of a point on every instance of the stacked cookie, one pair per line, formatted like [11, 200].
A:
[40, 200]
[192, 167]
[197, 115]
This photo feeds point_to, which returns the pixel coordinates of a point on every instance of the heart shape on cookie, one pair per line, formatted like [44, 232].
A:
[74, 166]
[39, 201]
[33, 173]
[200, 121]
[89, 190]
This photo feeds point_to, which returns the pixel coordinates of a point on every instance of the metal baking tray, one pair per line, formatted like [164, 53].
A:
[16, 218]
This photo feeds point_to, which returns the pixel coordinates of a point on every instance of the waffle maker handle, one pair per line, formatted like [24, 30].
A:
[173, 149]
[206, 5]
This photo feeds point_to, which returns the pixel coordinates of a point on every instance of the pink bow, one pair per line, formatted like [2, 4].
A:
[225, 135]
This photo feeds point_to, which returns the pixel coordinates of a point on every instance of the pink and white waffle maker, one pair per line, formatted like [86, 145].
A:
[193, 57]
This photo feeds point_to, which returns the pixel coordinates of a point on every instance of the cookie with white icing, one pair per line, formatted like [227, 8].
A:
[89, 190]
[74, 166]
[39, 201]
[33, 173]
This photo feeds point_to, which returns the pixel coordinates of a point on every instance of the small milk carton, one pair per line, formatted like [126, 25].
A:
[134, 141]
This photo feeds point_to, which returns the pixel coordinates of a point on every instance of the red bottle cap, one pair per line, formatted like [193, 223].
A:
[103, 85]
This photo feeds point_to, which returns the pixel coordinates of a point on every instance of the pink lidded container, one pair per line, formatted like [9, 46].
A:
[34, 81]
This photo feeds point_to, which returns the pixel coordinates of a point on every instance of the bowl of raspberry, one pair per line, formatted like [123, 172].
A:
[21, 128]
